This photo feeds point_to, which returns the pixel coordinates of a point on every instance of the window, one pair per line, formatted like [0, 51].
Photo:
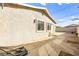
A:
[1, 4]
[48, 26]
[40, 25]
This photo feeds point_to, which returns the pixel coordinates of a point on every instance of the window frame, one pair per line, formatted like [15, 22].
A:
[37, 26]
[1, 5]
[49, 26]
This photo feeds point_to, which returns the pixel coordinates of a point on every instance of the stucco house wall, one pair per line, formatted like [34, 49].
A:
[17, 26]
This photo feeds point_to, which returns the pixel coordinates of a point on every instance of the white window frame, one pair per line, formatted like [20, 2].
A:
[2, 5]
[47, 26]
[37, 26]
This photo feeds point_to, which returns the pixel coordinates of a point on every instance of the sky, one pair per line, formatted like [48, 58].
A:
[63, 13]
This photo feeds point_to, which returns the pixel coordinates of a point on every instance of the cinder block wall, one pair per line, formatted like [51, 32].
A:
[78, 31]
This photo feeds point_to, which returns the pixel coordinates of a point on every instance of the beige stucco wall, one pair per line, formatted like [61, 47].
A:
[17, 26]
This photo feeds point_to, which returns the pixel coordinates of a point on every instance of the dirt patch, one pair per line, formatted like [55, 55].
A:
[62, 53]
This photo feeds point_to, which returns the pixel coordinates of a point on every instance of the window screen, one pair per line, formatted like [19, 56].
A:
[40, 25]
[48, 26]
